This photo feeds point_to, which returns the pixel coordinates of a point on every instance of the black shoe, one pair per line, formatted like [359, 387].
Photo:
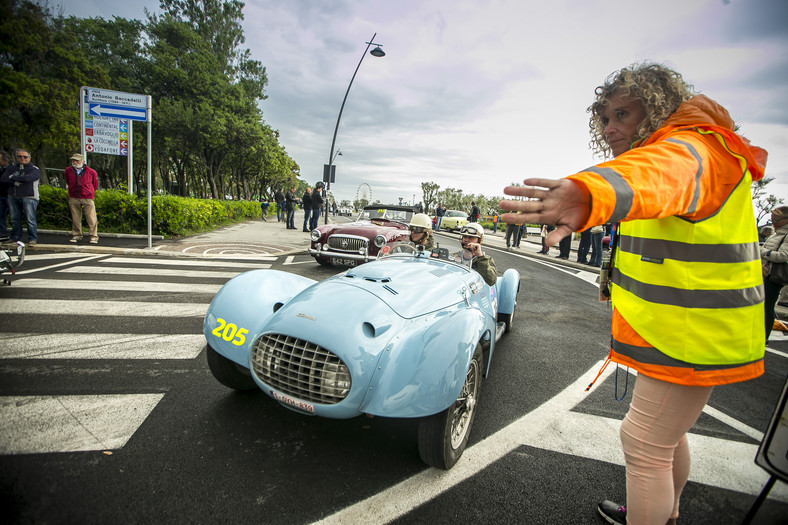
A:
[613, 512]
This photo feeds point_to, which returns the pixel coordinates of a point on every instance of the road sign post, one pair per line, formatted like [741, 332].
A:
[105, 118]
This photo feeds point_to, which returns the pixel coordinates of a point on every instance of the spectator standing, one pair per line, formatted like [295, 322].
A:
[596, 246]
[685, 263]
[82, 183]
[23, 179]
[519, 235]
[5, 215]
[279, 197]
[774, 250]
[264, 209]
[440, 211]
[584, 246]
[306, 204]
[546, 229]
[496, 217]
[290, 201]
[511, 233]
[317, 206]
[565, 247]
[474, 215]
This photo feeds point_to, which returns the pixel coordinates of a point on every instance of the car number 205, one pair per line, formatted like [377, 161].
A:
[229, 332]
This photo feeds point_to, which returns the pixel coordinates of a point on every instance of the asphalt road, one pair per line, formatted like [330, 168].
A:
[109, 412]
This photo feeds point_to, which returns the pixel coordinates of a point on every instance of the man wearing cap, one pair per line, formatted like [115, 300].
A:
[82, 183]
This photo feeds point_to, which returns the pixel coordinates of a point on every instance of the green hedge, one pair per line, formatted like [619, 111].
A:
[119, 212]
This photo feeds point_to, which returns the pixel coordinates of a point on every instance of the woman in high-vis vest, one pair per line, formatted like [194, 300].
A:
[685, 282]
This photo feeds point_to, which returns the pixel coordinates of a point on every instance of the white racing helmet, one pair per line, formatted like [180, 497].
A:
[473, 229]
[420, 220]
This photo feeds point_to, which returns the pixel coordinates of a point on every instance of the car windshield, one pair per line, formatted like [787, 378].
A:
[385, 213]
[410, 250]
[452, 213]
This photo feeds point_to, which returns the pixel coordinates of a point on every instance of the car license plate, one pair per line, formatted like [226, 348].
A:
[344, 262]
[287, 400]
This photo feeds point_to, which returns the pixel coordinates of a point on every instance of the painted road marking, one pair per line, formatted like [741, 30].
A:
[189, 262]
[42, 424]
[100, 346]
[125, 286]
[111, 308]
[555, 426]
[169, 272]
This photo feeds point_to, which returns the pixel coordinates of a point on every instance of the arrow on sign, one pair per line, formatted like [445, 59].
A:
[104, 110]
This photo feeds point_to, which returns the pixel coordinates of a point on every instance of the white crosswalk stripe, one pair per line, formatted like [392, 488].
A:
[69, 423]
[100, 346]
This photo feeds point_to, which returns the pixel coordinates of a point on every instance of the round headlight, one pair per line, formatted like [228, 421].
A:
[380, 241]
[315, 235]
[325, 247]
[335, 380]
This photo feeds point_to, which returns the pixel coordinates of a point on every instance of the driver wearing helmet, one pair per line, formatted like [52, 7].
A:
[421, 231]
[471, 241]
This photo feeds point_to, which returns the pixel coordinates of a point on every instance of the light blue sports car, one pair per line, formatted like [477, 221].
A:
[409, 335]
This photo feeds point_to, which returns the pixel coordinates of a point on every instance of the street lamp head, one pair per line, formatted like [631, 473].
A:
[377, 52]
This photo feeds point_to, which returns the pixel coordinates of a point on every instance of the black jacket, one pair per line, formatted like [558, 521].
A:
[317, 200]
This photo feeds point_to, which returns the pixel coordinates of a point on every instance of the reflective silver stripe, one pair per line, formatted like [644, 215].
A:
[624, 193]
[686, 252]
[651, 356]
[694, 204]
[657, 294]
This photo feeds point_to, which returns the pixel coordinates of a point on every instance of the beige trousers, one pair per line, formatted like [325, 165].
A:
[76, 206]
[654, 439]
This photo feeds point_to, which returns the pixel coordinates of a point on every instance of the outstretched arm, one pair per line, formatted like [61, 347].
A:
[560, 202]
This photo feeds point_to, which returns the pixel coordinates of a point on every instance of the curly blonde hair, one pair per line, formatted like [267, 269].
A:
[660, 89]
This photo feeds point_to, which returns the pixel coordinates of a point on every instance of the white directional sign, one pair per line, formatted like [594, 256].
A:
[116, 98]
[106, 110]
[106, 135]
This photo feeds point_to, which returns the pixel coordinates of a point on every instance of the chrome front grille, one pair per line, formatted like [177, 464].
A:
[344, 243]
[300, 369]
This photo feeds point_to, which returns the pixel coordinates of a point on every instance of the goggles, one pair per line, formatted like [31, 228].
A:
[470, 232]
[417, 229]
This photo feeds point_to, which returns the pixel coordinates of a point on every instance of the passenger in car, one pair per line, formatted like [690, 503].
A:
[421, 231]
[471, 242]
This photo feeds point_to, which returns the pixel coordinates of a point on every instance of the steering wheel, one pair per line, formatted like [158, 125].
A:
[404, 248]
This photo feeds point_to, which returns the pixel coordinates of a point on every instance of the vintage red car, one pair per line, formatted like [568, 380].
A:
[358, 242]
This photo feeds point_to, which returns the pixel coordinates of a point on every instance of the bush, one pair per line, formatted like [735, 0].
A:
[119, 212]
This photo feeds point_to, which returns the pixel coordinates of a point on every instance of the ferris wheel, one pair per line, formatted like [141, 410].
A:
[364, 191]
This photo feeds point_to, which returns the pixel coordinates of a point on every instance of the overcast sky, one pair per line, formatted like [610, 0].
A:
[477, 94]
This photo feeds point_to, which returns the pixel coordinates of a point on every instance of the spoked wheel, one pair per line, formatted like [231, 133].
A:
[229, 373]
[443, 436]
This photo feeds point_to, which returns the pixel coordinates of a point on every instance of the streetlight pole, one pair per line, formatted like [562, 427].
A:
[377, 52]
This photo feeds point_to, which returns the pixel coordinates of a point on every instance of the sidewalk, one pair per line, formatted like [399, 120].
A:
[256, 236]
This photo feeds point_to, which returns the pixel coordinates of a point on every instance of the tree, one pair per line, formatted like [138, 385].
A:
[429, 192]
[43, 69]
[763, 203]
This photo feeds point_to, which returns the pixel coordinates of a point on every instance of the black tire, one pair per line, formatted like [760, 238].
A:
[323, 262]
[444, 436]
[507, 319]
[229, 373]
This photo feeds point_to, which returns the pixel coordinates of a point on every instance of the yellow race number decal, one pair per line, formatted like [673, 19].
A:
[230, 332]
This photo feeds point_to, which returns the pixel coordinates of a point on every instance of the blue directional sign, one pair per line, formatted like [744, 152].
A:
[123, 112]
